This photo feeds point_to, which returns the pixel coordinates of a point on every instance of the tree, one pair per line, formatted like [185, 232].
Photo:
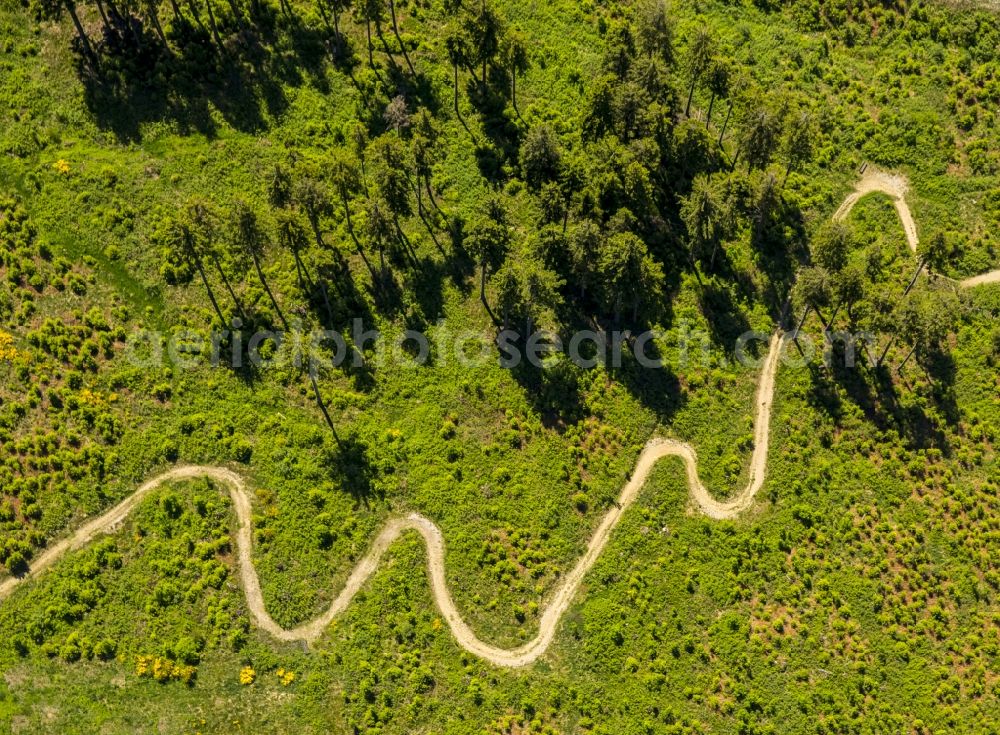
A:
[812, 291]
[279, 187]
[204, 222]
[392, 181]
[619, 49]
[485, 34]
[515, 54]
[179, 237]
[718, 84]
[369, 10]
[488, 242]
[656, 31]
[831, 246]
[314, 201]
[849, 288]
[423, 150]
[292, 237]
[925, 319]
[347, 181]
[629, 275]
[932, 254]
[768, 196]
[378, 226]
[760, 137]
[702, 214]
[798, 143]
[584, 246]
[525, 287]
[396, 115]
[541, 156]
[249, 237]
[399, 38]
[510, 295]
[459, 50]
[336, 7]
[699, 54]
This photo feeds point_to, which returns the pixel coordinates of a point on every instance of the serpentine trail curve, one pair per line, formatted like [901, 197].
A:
[564, 593]
[652, 453]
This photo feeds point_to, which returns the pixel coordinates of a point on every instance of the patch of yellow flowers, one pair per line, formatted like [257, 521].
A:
[162, 669]
[96, 398]
[62, 166]
[286, 677]
[8, 353]
[247, 675]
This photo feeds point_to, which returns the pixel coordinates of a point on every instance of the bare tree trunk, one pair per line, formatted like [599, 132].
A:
[399, 39]
[229, 288]
[687, 108]
[482, 295]
[88, 50]
[357, 243]
[423, 218]
[263, 282]
[214, 25]
[725, 125]
[322, 408]
[906, 359]
[913, 280]
[208, 287]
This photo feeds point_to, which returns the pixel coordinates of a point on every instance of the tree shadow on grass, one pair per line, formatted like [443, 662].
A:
[726, 321]
[873, 390]
[244, 82]
[350, 464]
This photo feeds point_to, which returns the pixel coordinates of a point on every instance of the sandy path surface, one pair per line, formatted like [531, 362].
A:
[652, 453]
[895, 186]
[873, 180]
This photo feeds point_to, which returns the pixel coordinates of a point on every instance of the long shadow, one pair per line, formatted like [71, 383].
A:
[244, 80]
[657, 388]
[502, 132]
[776, 242]
[350, 465]
[726, 321]
[872, 389]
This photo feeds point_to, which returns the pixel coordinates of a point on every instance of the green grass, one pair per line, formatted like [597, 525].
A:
[859, 594]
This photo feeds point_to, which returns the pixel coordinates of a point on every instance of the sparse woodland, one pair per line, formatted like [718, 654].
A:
[472, 167]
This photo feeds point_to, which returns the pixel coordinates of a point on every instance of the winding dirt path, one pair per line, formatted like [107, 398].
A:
[657, 449]
[652, 453]
[896, 186]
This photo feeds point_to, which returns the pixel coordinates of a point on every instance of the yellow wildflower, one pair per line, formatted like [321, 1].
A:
[247, 675]
[142, 665]
[62, 166]
[7, 349]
